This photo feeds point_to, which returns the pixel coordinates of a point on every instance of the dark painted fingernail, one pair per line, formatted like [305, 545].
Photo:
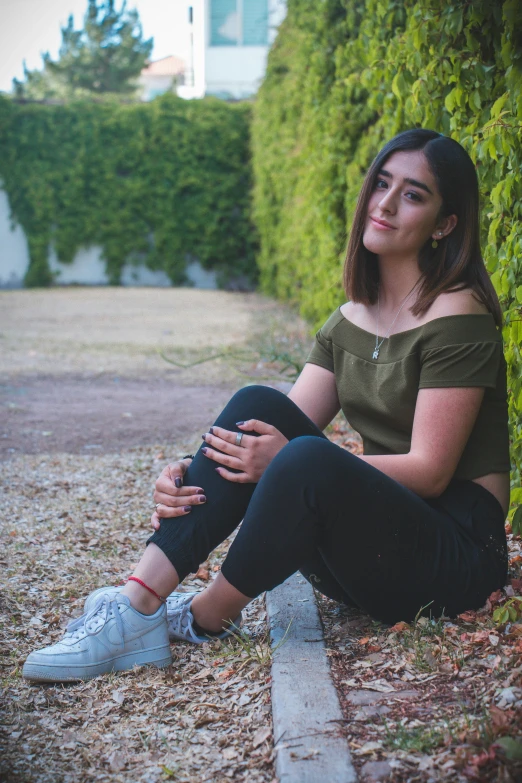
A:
[211, 430]
[200, 492]
[204, 436]
[202, 499]
[238, 423]
[177, 482]
[204, 450]
[187, 508]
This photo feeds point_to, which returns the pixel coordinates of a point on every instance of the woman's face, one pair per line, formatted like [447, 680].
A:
[403, 211]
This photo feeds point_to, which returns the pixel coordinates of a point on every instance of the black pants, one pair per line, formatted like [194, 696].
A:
[358, 535]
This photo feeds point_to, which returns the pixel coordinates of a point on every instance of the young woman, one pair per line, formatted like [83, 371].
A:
[415, 361]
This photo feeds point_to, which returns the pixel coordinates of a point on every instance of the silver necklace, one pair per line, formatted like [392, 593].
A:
[375, 354]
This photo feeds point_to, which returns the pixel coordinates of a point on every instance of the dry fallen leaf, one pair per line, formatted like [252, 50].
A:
[117, 761]
[260, 736]
[368, 747]
[118, 697]
[398, 627]
[381, 686]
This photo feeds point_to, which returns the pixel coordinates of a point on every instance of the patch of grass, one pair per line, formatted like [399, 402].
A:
[278, 353]
[417, 739]
[252, 649]
[428, 640]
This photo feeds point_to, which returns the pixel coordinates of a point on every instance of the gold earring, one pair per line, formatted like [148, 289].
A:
[435, 244]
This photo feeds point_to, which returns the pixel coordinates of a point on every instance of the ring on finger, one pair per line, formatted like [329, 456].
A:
[239, 437]
[157, 506]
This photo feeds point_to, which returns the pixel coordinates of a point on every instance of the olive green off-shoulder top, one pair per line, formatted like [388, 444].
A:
[378, 396]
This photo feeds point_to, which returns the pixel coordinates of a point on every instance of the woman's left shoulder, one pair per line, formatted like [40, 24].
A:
[441, 330]
[463, 302]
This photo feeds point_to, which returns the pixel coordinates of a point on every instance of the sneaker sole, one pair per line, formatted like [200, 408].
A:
[38, 672]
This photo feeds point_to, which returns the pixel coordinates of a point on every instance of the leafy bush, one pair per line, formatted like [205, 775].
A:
[151, 182]
[343, 77]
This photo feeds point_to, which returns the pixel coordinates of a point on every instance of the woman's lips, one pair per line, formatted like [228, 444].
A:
[382, 224]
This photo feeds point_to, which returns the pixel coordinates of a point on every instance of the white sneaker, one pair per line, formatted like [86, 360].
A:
[179, 620]
[91, 599]
[112, 636]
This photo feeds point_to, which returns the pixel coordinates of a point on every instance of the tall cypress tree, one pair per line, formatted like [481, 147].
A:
[106, 56]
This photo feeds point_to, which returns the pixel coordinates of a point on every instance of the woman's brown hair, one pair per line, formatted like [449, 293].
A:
[457, 262]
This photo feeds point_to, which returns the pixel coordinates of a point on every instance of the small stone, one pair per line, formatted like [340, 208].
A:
[359, 697]
[375, 771]
[369, 712]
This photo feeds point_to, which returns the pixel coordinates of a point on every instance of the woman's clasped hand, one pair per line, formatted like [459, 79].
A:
[172, 499]
[249, 458]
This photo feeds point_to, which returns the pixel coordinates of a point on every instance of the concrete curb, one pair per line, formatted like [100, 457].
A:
[305, 705]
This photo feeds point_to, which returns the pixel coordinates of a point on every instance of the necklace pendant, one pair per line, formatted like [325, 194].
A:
[375, 354]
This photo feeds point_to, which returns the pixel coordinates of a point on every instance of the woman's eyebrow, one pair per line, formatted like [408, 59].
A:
[414, 182]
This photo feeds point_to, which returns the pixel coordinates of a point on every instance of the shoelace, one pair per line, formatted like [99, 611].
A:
[175, 600]
[183, 623]
[103, 606]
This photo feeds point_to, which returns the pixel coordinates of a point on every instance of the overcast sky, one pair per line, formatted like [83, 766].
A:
[30, 27]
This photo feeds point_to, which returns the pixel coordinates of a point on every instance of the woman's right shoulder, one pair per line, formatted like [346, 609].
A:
[358, 314]
[348, 310]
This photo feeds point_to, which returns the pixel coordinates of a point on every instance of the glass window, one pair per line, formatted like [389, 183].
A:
[238, 22]
[255, 22]
[224, 23]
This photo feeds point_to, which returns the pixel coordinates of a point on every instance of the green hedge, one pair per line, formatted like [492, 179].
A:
[151, 182]
[343, 77]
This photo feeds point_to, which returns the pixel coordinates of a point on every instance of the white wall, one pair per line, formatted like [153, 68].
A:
[87, 267]
[14, 253]
[196, 58]
[234, 70]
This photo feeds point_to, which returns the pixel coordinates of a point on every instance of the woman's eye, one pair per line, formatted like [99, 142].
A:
[381, 183]
[413, 196]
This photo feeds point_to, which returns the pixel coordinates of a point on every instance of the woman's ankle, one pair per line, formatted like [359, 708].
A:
[218, 606]
[155, 578]
[141, 600]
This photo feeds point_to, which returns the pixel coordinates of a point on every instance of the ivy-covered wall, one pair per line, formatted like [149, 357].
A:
[343, 77]
[154, 182]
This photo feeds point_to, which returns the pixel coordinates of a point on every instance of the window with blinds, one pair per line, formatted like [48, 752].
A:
[238, 22]
[224, 23]
[255, 22]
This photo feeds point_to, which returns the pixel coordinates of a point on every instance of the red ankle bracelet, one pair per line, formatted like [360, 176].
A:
[154, 593]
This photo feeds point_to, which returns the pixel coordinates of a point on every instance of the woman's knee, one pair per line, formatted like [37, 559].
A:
[254, 402]
[307, 449]
[257, 395]
[300, 457]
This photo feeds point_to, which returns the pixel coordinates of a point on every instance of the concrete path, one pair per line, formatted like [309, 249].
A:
[306, 709]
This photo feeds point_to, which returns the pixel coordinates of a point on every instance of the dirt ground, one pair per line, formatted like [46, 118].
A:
[88, 370]
[101, 388]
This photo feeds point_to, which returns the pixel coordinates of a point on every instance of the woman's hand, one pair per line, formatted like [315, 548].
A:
[171, 497]
[251, 457]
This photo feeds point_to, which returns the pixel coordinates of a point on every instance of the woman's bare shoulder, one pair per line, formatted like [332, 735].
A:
[462, 302]
[353, 312]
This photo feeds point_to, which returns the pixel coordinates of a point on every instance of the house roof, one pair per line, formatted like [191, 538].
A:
[166, 66]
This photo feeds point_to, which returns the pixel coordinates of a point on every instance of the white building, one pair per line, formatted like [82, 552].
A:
[161, 76]
[230, 40]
